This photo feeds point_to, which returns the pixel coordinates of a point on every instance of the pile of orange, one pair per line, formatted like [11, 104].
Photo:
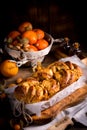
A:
[26, 38]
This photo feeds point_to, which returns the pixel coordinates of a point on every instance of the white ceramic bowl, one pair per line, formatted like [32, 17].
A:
[32, 57]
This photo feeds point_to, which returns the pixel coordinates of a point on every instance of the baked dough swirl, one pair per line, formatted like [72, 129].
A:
[47, 81]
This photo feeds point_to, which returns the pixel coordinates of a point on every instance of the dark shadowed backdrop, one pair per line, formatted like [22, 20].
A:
[60, 18]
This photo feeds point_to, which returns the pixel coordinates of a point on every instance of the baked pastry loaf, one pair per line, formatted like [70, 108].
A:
[31, 90]
[47, 81]
[65, 72]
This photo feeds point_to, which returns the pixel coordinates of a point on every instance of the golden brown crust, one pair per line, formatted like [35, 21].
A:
[65, 72]
[75, 70]
[69, 64]
[61, 72]
[52, 87]
[43, 85]
[46, 82]
[21, 91]
[44, 73]
[23, 88]
[59, 64]
[35, 94]
[78, 70]
[31, 91]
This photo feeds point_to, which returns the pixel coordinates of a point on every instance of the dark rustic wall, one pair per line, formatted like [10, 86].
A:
[60, 18]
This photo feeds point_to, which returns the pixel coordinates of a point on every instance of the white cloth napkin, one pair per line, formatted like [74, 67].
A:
[81, 116]
[78, 112]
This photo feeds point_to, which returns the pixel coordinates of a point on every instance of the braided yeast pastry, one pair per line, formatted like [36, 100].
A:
[65, 72]
[43, 84]
[31, 91]
[47, 81]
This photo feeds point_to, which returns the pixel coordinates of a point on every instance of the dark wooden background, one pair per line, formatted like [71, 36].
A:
[60, 18]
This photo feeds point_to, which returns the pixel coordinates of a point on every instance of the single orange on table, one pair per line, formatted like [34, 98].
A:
[25, 26]
[8, 68]
[31, 35]
[40, 33]
[42, 44]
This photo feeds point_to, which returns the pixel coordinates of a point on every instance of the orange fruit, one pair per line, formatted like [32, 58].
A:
[17, 127]
[41, 44]
[32, 48]
[40, 33]
[31, 35]
[25, 26]
[13, 34]
[8, 68]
